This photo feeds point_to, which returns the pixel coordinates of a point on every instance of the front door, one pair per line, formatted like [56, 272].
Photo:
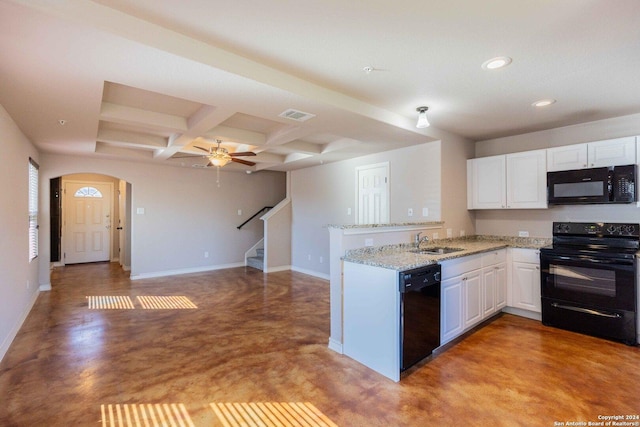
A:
[87, 212]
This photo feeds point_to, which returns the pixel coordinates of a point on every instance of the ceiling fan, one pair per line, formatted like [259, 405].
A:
[219, 156]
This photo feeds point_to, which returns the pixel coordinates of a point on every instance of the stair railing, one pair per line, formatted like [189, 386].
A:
[253, 216]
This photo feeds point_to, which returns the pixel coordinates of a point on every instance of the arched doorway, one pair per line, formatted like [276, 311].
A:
[89, 217]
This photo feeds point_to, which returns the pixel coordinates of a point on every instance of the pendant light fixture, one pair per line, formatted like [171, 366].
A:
[423, 122]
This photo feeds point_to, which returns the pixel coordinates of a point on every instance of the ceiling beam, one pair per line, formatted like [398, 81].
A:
[131, 138]
[135, 116]
[198, 123]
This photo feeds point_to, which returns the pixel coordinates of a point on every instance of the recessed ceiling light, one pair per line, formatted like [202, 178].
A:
[543, 102]
[497, 62]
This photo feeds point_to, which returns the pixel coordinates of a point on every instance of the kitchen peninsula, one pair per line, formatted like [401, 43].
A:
[476, 285]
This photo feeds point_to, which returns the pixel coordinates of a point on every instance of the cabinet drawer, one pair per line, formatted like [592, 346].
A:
[525, 255]
[458, 266]
[494, 257]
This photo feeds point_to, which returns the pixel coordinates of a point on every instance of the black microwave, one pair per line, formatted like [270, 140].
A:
[613, 184]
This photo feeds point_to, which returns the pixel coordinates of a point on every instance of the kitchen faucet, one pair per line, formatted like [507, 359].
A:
[419, 239]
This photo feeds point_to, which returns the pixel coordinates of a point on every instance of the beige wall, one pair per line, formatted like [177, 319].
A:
[185, 213]
[454, 155]
[429, 175]
[18, 277]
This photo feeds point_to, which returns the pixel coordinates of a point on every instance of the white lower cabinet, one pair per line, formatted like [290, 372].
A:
[501, 285]
[494, 280]
[451, 321]
[525, 280]
[473, 289]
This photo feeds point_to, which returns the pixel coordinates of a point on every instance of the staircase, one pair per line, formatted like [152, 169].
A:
[258, 260]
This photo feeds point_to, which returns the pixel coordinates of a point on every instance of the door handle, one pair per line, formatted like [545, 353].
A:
[118, 228]
[587, 311]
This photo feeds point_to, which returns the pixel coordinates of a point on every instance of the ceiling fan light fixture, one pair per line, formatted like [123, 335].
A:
[219, 161]
[423, 122]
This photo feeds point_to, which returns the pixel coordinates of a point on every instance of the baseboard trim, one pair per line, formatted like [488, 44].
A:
[185, 271]
[276, 269]
[16, 327]
[523, 313]
[310, 273]
[335, 346]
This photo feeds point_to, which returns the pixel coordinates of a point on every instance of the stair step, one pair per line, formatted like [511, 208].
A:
[260, 252]
[256, 262]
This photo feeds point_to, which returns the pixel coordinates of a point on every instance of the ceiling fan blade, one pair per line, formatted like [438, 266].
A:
[244, 162]
[243, 153]
[203, 149]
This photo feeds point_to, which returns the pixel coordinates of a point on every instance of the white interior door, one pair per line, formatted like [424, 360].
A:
[373, 194]
[87, 221]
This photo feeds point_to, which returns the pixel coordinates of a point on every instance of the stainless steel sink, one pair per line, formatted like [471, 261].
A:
[437, 250]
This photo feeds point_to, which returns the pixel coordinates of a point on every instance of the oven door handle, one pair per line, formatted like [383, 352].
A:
[587, 311]
[612, 261]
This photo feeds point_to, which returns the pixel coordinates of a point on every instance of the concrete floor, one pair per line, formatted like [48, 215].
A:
[255, 351]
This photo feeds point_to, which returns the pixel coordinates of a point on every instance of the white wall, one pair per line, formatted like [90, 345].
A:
[321, 195]
[185, 213]
[538, 222]
[18, 276]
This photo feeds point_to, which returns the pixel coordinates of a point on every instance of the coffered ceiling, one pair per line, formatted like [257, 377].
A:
[148, 80]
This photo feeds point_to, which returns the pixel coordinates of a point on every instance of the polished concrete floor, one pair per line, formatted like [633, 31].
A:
[256, 348]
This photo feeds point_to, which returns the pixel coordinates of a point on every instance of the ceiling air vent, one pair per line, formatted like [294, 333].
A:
[299, 116]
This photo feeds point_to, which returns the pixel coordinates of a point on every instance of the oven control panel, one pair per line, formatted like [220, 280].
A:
[596, 229]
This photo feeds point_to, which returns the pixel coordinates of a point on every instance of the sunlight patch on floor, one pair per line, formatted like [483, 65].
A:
[270, 414]
[110, 302]
[163, 303]
[157, 415]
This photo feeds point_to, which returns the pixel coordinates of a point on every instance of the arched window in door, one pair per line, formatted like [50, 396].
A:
[88, 192]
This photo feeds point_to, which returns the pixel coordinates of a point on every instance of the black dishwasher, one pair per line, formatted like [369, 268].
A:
[419, 314]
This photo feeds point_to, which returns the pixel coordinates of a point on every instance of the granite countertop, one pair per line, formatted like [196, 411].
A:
[386, 225]
[399, 257]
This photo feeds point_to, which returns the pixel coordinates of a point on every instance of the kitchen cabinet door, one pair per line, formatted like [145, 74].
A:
[501, 285]
[451, 321]
[567, 157]
[472, 287]
[488, 291]
[486, 183]
[612, 152]
[527, 180]
[494, 289]
[525, 282]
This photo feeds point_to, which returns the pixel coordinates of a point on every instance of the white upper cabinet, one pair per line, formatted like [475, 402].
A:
[527, 180]
[486, 183]
[512, 181]
[567, 157]
[610, 152]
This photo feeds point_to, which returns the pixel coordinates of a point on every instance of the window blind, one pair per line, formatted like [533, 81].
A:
[33, 209]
